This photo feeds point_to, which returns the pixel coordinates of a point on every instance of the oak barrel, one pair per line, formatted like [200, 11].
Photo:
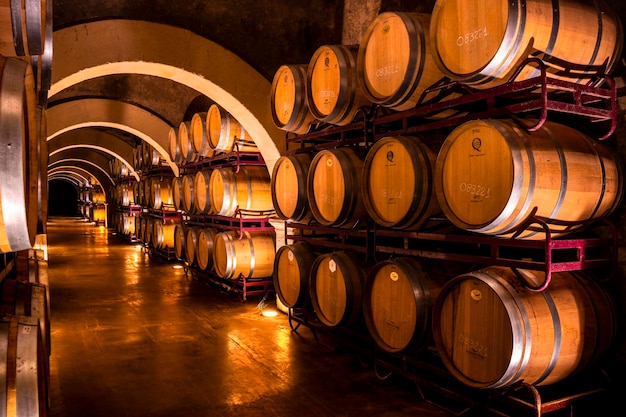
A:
[225, 132]
[199, 136]
[394, 61]
[408, 203]
[288, 187]
[202, 197]
[177, 193]
[176, 154]
[163, 234]
[288, 99]
[162, 196]
[250, 255]
[248, 189]
[191, 241]
[491, 175]
[179, 241]
[576, 39]
[336, 287]
[492, 332]
[398, 295]
[19, 175]
[23, 27]
[185, 143]
[205, 244]
[188, 196]
[334, 94]
[333, 187]
[25, 380]
[292, 266]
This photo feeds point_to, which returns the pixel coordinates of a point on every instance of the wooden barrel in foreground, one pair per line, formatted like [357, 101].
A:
[336, 287]
[288, 186]
[292, 266]
[405, 204]
[24, 27]
[491, 332]
[491, 38]
[334, 93]
[26, 377]
[491, 175]
[288, 99]
[333, 187]
[250, 255]
[19, 174]
[398, 295]
[394, 62]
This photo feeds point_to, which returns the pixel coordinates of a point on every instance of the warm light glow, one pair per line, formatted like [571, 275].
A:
[177, 267]
[269, 313]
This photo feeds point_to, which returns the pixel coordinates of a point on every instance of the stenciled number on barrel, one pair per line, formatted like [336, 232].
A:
[471, 36]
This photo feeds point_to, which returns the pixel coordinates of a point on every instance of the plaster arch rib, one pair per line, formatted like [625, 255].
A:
[98, 112]
[108, 47]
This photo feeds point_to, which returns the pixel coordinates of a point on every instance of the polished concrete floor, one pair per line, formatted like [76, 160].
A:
[131, 336]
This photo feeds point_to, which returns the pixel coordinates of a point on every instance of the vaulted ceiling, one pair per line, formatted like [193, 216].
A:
[126, 71]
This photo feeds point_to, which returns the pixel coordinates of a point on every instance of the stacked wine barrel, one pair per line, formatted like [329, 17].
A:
[209, 187]
[490, 177]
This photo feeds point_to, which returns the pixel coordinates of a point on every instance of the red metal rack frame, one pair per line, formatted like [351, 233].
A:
[581, 102]
[575, 253]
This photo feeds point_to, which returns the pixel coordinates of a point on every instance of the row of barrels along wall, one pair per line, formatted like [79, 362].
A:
[25, 76]
[457, 312]
[489, 330]
[556, 173]
[402, 54]
[217, 191]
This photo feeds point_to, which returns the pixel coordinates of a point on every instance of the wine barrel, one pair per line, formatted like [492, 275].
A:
[185, 143]
[205, 244]
[177, 193]
[129, 224]
[288, 187]
[336, 285]
[250, 255]
[162, 195]
[491, 39]
[151, 157]
[333, 187]
[288, 99]
[31, 299]
[24, 27]
[191, 239]
[225, 133]
[163, 234]
[405, 204]
[176, 154]
[248, 189]
[292, 265]
[394, 62]
[491, 175]
[188, 194]
[334, 94]
[199, 136]
[26, 377]
[179, 241]
[18, 140]
[491, 332]
[398, 295]
[202, 197]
